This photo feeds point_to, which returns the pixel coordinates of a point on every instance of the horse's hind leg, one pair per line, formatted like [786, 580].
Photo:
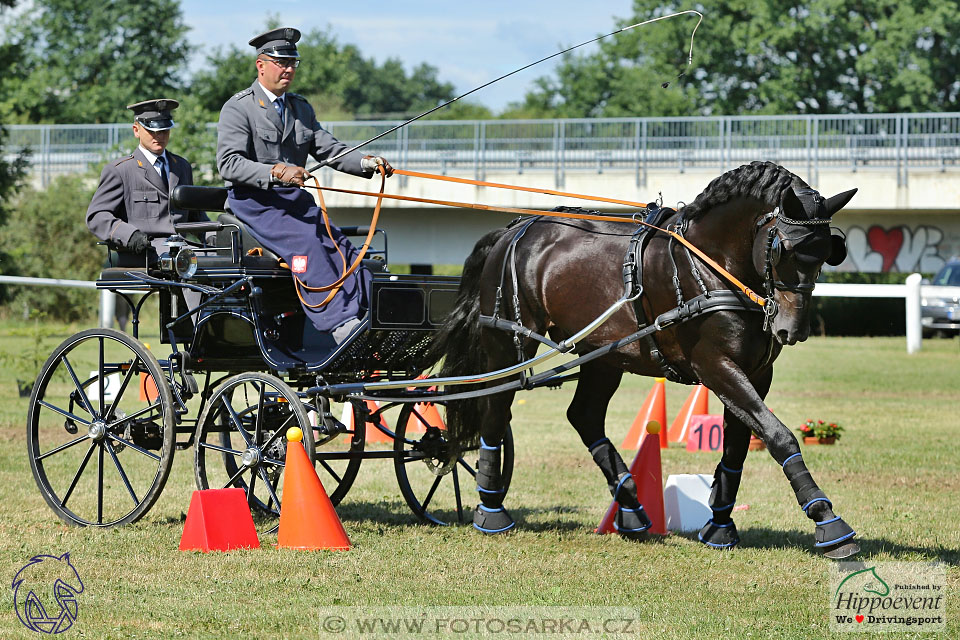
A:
[587, 414]
[490, 517]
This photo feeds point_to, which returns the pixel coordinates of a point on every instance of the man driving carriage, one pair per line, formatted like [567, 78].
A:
[265, 135]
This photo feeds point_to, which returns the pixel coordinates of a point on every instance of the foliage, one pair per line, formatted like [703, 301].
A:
[820, 429]
[813, 56]
[85, 60]
[334, 77]
[45, 237]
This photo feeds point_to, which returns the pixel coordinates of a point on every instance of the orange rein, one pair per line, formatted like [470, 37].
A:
[335, 286]
[760, 300]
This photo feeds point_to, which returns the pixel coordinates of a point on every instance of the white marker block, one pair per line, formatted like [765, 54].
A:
[686, 501]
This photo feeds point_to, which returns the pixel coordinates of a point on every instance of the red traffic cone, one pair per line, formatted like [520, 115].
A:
[647, 472]
[424, 415]
[696, 404]
[219, 520]
[307, 517]
[654, 409]
[372, 433]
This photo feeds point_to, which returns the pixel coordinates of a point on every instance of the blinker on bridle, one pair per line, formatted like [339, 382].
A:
[797, 232]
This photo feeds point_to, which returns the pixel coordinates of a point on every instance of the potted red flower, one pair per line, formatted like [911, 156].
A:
[820, 432]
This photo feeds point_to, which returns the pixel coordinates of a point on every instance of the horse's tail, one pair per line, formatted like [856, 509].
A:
[457, 343]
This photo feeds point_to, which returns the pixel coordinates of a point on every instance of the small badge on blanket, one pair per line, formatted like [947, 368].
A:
[299, 264]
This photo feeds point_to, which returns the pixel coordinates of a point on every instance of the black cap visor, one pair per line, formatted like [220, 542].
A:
[156, 124]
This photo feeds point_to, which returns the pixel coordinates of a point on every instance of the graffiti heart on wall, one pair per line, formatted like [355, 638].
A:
[899, 248]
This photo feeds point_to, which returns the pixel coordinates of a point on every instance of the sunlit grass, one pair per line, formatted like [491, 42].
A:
[895, 476]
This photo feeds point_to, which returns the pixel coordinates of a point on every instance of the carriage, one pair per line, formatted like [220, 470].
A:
[652, 302]
[238, 375]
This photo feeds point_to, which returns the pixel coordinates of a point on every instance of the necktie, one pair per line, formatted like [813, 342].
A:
[160, 164]
[278, 104]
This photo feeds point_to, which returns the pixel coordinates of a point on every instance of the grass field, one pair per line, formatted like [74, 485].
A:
[895, 476]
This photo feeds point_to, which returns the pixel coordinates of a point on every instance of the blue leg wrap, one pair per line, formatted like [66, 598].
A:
[726, 484]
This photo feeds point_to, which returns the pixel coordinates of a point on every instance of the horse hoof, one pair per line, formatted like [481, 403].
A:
[719, 536]
[632, 523]
[842, 550]
[492, 520]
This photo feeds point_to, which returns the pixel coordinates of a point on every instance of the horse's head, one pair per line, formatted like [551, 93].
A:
[793, 244]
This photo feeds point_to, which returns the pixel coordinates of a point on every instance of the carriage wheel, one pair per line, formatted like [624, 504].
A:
[241, 441]
[439, 484]
[338, 453]
[101, 429]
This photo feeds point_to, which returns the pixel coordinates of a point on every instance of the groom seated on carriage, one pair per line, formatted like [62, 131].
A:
[265, 135]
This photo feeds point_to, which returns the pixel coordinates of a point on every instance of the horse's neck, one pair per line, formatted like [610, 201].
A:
[727, 232]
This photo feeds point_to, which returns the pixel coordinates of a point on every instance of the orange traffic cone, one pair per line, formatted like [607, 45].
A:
[373, 434]
[654, 409]
[424, 415]
[307, 517]
[696, 404]
[647, 472]
[219, 520]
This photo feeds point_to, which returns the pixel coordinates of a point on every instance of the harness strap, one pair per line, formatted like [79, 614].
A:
[754, 297]
[723, 300]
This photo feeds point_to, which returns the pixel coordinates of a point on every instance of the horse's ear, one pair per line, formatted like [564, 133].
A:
[839, 201]
[791, 204]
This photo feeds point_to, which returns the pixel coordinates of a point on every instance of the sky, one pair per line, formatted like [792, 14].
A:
[470, 43]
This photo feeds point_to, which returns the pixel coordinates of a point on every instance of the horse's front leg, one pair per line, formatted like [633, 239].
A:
[744, 403]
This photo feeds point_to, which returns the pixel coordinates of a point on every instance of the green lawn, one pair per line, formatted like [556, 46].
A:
[895, 476]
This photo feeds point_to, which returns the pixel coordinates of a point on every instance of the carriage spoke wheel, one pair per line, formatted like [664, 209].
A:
[241, 441]
[100, 429]
[339, 448]
[438, 482]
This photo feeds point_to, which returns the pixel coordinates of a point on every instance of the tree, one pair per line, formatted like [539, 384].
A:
[45, 237]
[85, 60]
[337, 80]
[12, 171]
[812, 56]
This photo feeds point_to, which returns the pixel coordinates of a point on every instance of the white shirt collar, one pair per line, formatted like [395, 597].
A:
[152, 158]
[270, 94]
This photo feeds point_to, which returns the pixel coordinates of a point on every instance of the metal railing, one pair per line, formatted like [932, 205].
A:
[894, 141]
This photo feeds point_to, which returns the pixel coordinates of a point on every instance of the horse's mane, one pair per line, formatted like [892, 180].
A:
[764, 181]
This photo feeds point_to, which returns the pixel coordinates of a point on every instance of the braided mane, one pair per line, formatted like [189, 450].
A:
[764, 181]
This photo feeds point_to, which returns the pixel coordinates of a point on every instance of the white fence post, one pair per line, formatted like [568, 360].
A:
[914, 329]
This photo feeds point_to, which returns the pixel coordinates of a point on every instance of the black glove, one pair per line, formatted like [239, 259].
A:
[138, 242]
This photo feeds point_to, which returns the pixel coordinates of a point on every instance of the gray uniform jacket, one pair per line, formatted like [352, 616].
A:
[251, 139]
[132, 197]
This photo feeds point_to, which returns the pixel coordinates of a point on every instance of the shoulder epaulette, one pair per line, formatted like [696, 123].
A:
[122, 160]
[243, 93]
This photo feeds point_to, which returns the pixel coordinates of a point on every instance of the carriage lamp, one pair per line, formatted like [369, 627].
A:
[179, 258]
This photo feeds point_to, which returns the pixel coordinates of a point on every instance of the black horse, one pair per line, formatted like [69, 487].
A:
[760, 222]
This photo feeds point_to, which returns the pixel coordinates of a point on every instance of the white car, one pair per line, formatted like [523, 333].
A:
[941, 301]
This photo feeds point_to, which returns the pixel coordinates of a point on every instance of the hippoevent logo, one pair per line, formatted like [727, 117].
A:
[887, 596]
[45, 594]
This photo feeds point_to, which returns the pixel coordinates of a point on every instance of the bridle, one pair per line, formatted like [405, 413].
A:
[773, 251]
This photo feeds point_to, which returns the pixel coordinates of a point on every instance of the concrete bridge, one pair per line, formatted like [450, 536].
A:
[905, 217]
